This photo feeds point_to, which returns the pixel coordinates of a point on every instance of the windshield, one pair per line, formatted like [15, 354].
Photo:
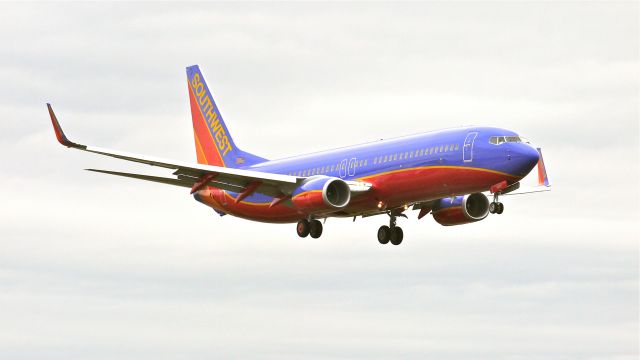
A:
[497, 140]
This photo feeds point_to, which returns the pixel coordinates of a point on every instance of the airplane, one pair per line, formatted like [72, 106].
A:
[445, 173]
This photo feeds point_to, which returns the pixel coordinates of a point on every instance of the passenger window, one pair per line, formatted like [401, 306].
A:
[365, 162]
[385, 158]
[441, 148]
[395, 156]
[400, 156]
[457, 147]
[421, 152]
[411, 155]
[446, 148]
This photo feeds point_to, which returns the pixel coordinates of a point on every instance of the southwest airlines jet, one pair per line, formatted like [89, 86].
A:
[446, 173]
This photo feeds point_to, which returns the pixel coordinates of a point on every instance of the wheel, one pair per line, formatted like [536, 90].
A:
[303, 228]
[500, 208]
[396, 235]
[315, 229]
[384, 234]
[492, 208]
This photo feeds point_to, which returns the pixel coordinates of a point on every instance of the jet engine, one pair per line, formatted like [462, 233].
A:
[321, 194]
[460, 210]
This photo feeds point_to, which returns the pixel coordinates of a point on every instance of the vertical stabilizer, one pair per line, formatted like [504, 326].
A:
[214, 144]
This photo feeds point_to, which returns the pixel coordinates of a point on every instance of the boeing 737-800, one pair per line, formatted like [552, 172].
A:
[446, 173]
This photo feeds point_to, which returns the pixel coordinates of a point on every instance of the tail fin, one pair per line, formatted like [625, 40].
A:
[214, 145]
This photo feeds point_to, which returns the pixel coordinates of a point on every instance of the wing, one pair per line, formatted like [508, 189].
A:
[197, 176]
[191, 175]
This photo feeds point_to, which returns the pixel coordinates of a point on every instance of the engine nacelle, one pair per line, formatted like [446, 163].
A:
[461, 209]
[321, 194]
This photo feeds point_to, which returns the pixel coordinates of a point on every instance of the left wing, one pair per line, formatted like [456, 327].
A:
[191, 175]
[197, 176]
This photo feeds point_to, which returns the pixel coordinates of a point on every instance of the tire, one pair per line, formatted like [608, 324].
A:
[384, 234]
[492, 208]
[500, 208]
[315, 229]
[396, 235]
[303, 228]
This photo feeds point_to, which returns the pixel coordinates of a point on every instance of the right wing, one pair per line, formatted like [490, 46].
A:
[543, 181]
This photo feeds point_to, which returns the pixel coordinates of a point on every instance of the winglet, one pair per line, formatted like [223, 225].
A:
[62, 139]
[543, 180]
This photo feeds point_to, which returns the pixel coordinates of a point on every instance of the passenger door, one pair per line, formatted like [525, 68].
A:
[352, 167]
[343, 168]
[467, 149]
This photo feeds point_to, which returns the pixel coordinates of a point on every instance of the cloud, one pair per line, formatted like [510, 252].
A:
[100, 267]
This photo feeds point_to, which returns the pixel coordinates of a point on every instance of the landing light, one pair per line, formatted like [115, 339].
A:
[380, 204]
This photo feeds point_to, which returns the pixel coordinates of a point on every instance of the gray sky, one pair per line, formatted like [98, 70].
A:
[93, 266]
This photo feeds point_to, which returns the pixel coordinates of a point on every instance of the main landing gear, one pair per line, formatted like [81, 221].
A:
[309, 227]
[391, 233]
[496, 207]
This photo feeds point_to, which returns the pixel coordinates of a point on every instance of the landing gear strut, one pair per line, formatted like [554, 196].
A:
[391, 233]
[496, 207]
[309, 227]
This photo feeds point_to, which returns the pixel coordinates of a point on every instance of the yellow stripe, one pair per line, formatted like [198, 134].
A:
[435, 167]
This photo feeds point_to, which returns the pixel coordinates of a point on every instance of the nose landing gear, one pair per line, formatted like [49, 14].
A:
[391, 233]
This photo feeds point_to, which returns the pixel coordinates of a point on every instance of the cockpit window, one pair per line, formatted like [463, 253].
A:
[497, 140]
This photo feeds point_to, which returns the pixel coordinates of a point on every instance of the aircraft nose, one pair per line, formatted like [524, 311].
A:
[526, 157]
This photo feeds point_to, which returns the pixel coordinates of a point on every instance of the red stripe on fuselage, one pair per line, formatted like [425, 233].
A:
[395, 189]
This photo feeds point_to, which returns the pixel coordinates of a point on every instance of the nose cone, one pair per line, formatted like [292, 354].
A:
[525, 157]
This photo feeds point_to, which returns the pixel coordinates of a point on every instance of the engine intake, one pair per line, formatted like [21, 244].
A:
[461, 209]
[321, 194]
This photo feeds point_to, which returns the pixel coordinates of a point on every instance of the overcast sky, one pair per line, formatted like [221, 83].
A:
[94, 267]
